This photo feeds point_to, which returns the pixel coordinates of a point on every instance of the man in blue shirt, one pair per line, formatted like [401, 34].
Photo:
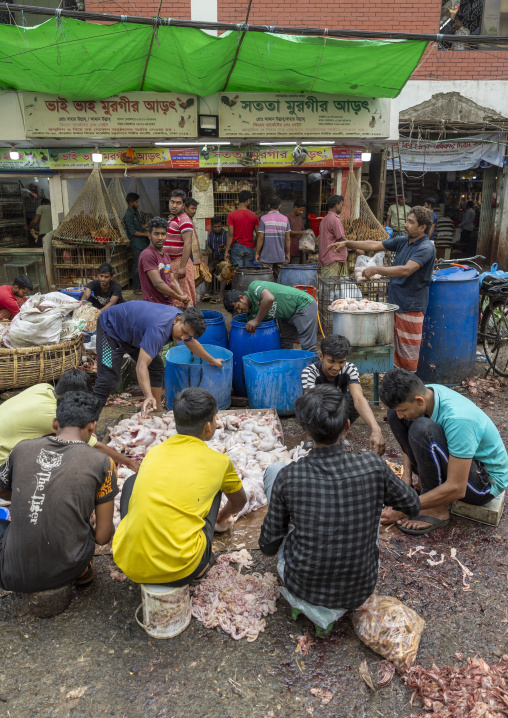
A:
[141, 329]
[446, 440]
[410, 276]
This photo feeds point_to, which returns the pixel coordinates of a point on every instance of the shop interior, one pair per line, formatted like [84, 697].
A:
[20, 195]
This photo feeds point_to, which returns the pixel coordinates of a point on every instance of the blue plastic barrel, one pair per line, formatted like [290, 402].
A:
[74, 292]
[216, 330]
[266, 338]
[184, 369]
[273, 378]
[293, 274]
[450, 327]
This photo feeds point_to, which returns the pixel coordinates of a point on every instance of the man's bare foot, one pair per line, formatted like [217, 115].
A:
[390, 516]
[441, 513]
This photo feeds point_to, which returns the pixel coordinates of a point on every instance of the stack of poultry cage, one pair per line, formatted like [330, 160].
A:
[92, 233]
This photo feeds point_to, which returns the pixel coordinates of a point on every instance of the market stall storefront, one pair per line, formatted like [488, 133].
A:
[454, 174]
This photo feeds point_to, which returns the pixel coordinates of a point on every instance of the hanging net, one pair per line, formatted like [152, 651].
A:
[117, 194]
[93, 217]
[360, 223]
[146, 208]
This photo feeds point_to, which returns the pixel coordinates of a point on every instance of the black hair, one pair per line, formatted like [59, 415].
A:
[299, 203]
[23, 282]
[323, 412]
[423, 216]
[195, 319]
[74, 380]
[45, 200]
[335, 346]
[179, 193]
[131, 197]
[77, 408]
[191, 202]
[274, 202]
[192, 408]
[244, 195]
[106, 269]
[398, 386]
[333, 200]
[215, 220]
[430, 200]
[157, 223]
[230, 299]
[470, 203]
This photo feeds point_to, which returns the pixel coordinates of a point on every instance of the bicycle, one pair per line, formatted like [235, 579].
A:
[492, 318]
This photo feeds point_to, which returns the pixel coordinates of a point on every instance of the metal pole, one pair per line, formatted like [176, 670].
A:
[402, 182]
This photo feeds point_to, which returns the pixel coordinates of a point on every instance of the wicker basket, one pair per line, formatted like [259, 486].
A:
[32, 365]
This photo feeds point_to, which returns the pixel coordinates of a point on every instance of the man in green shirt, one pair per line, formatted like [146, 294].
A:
[137, 234]
[296, 311]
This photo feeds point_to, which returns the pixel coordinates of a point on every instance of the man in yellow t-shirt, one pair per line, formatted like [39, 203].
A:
[30, 415]
[166, 535]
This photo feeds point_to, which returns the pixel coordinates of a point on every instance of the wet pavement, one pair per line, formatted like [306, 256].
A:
[94, 660]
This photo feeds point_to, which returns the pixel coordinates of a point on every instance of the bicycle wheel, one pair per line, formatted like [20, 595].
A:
[494, 331]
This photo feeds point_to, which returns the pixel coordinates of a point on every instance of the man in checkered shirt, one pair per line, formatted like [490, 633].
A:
[334, 500]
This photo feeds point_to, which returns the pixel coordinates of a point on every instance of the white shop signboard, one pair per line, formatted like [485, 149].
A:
[131, 114]
[300, 116]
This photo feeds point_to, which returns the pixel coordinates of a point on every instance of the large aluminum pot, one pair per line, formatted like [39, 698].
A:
[366, 329]
[245, 275]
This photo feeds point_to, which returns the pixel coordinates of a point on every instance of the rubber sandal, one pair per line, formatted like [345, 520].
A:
[435, 524]
[86, 577]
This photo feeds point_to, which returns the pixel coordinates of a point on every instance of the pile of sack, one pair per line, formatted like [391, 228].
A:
[45, 319]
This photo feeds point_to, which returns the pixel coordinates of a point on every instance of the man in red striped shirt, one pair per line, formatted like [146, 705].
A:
[179, 244]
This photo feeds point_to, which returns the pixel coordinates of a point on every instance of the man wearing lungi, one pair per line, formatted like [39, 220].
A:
[179, 245]
[410, 276]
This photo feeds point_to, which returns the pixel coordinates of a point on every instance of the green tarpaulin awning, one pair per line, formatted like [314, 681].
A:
[86, 61]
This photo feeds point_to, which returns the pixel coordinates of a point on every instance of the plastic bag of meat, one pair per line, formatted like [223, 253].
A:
[307, 241]
[389, 628]
[362, 262]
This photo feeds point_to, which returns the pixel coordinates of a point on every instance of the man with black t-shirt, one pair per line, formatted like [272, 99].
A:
[54, 484]
[106, 292]
[334, 369]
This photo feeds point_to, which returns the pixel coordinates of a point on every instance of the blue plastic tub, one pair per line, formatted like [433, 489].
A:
[216, 330]
[74, 292]
[184, 369]
[266, 338]
[293, 275]
[5, 514]
[450, 327]
[273, 378]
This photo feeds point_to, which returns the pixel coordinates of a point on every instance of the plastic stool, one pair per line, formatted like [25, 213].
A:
[320, 632]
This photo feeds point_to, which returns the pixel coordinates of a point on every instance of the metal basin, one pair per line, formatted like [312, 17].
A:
[366, 329]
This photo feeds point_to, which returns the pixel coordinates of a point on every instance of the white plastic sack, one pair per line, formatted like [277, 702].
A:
[347, 290]
[71, 328]
[34, 328]
[307, 241]
[362, 262]
[56, 300]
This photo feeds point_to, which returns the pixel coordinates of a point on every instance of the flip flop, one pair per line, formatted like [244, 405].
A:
[435, 524]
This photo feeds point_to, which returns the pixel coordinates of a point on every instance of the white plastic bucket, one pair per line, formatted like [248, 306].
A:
[166, 611]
